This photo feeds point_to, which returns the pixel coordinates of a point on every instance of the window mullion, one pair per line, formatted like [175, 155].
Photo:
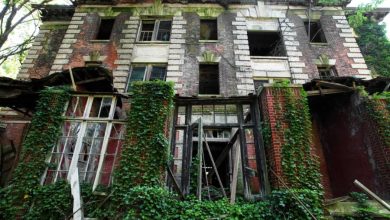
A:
[76, 152]
[102, 154]
[155, 30]
[148, 72]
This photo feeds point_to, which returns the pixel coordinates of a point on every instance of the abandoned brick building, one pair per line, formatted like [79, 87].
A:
[224, 58]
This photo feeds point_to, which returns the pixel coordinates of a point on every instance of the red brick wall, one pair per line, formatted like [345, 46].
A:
[273, 106]
[85, 44]
[380, 151]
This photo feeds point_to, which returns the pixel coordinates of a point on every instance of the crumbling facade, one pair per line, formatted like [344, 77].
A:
[223, 58]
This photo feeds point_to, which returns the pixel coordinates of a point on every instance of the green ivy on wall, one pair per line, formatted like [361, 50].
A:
[145, 153]
[18, 197]
[380, 114]
[300, 166]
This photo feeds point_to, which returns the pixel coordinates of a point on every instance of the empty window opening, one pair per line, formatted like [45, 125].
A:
[147, 72]
[327, 72]
[155, 30]
[105, 29]
[315, 32]
[208, 30]
[208, 79]
[265, 44]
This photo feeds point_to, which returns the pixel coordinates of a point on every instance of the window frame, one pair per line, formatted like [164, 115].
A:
[321, 32]
[332, 70]
[281, 47]
[216, 29]
[100, 26]
[218, 80]
[156, 29]
[84, 120]
[147, 71]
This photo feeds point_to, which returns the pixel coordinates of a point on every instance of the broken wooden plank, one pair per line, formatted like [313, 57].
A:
[370, 193]
[214, 167]
[233, 188]
[177, 187]
[325, 92]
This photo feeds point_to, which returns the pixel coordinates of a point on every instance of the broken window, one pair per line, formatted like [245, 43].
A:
[105, 29]
[155, 30]
[315, 32]
[147, 72]
[208, 30]
[229, 132]
[265, 43]
[327, 72]
[92, 136]
[208, 79]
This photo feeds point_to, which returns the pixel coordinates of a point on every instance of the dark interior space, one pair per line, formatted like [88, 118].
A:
[208, 30]
[265, 44]
[315, 32]
[343, 134]
[105, 29]
[208, 79]
[216, 149]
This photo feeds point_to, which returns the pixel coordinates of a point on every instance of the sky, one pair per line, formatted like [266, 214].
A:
[385, 4]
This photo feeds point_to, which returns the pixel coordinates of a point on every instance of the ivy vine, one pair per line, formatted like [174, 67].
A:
[145, 153]
[19, 196]
[378, 111]
[300, 166]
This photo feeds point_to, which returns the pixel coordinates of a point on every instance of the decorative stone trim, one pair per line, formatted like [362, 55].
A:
[244, 72]
[355, 55]
[33, 54]
[291, 42]
[176, 52]
[125, 51]
[70, 38]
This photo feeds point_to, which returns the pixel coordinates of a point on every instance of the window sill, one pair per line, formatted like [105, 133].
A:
[269, 57]
[209, 95]
[208, 41]
[153, 42]
[99, 41]
[319, 44]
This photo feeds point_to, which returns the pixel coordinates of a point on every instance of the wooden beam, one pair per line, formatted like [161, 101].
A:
[236, 160]
[333, 85]
[214, 167]
[225, 151]
[175, 182]
[370, 193]
[325, 92]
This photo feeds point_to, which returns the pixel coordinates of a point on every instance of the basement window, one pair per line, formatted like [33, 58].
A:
[105, 29]
[208, 79]
[147, 72]
[315, 32]
[265, 44]
[91, 139]
[155, 30]
[208, 30]
[327, 72]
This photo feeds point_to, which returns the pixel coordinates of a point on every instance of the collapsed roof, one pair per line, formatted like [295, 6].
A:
[24, 94]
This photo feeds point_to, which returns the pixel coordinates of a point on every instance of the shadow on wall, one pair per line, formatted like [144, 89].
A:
[347, 139]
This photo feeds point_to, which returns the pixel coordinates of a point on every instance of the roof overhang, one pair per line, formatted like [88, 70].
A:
[19, 94]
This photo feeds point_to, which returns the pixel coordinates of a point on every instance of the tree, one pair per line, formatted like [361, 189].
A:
[375, 46]
[372, 38]
[19, 22]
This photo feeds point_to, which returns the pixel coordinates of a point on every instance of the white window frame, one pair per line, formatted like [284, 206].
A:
[147, 73]
[155, 30]
[84, 120]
